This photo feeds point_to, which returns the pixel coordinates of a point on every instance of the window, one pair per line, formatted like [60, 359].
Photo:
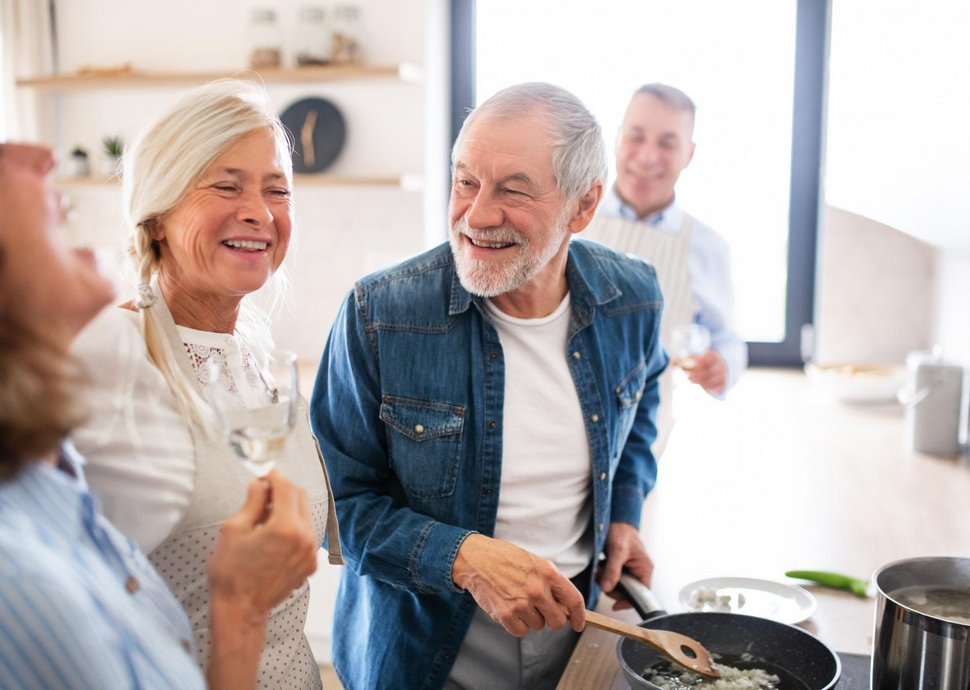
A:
[753, 68]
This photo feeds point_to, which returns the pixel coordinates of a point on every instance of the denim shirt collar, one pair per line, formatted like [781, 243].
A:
[589, 286]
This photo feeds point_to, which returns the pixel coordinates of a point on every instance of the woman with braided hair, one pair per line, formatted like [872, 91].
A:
[207, 194]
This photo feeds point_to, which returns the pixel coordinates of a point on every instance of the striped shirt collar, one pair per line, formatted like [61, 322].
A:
[668, 219]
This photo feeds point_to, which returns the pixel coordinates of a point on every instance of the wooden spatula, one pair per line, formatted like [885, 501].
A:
[682, 649]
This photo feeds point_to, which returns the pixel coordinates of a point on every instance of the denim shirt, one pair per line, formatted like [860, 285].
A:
[408, 407]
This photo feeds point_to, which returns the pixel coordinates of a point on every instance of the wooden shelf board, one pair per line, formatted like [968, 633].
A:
[406, 182]
[405, 72]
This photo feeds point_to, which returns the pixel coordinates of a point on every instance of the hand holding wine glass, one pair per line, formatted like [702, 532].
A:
[687, 342]
[257, 433]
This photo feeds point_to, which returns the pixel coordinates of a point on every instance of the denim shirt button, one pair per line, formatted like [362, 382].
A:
[492, 424]
[602, 476]
[419, 428]
[487, 491]
[594, 417]
[577, 355]
[639, 394]
[493, 356]
[600, 527]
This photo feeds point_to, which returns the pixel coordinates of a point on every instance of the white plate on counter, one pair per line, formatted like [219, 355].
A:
[753, 597]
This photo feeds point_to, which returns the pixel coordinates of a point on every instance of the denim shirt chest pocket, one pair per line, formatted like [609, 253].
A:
[424, 444]
[628, 393]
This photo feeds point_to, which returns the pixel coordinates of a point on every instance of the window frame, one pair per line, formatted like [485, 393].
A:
[811, 62]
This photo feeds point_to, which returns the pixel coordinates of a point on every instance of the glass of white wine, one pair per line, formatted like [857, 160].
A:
[687, 342]
[257, 434]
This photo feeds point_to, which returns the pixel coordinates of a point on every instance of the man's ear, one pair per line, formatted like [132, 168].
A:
[586, 207]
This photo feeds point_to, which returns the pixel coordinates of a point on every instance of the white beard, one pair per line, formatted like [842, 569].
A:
[493, 278]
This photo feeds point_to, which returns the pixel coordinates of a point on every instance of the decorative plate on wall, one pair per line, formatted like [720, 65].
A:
[318, 131]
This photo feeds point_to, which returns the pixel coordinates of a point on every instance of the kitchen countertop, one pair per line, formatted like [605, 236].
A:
[780, 477]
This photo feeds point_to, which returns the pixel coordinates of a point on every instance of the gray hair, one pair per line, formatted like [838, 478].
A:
[670, 95]
[159, 170]
[579, 158]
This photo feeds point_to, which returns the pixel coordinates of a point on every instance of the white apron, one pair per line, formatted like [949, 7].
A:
[669, 254]
[219, 491]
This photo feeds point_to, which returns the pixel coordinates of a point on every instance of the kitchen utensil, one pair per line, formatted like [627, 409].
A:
[750, 596]
[912, 649]
[682, 649]
[792, 653]
[860, 588]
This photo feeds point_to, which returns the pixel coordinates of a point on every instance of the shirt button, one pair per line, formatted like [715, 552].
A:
[493, 356]
[577, 355]
[487, 491]
[492, 424]
[602, 476]
[419, 428]
[594, 417]
[638, 395]
[131, 585]
[600, 527]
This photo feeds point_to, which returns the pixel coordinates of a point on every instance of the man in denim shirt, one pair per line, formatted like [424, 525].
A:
[486, 411]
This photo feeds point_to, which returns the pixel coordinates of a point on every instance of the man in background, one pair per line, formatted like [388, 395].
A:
[655, 144]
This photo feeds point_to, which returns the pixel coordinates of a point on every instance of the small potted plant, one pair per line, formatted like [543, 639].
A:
[78, 165]
[112, 147]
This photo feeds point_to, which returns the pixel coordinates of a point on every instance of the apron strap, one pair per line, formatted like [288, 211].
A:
[334, 554]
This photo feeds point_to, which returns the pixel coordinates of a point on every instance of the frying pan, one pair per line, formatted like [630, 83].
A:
[791, 651]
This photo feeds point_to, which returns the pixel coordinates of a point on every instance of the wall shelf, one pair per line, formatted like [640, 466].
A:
[407, 183]
[127, 78]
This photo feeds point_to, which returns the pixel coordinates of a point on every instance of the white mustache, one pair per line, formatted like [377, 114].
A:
[502, 234]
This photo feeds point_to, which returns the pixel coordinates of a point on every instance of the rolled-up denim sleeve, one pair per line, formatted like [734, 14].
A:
[381, 536]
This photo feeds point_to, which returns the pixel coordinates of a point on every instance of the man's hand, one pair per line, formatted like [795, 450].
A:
[624, 550]
[709, 372]
[519, 590]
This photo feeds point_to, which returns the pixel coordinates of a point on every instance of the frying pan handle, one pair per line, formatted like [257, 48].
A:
[644, 601]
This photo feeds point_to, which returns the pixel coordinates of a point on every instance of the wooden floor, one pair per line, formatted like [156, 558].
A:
[329, 676]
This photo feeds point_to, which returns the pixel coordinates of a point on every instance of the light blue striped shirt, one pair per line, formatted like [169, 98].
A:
[709, 267]
[80, 606]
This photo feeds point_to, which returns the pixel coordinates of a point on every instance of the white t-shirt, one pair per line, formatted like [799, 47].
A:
[545, 494]
[138, 448]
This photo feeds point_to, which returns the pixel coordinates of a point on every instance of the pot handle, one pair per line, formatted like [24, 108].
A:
[644, 601]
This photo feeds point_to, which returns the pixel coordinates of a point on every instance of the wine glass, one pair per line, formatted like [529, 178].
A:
[257, 434]
[687, 342]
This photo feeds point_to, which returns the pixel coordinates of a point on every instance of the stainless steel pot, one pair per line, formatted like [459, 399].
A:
[913, 650]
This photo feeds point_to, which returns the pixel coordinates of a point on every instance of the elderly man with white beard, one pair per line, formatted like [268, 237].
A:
[486, 411]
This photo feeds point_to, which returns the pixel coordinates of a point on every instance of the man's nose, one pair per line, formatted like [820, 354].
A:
[483, 212]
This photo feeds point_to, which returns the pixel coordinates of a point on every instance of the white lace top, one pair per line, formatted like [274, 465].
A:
[142, 463]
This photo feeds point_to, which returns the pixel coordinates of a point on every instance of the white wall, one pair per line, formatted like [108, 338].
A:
[898, 104]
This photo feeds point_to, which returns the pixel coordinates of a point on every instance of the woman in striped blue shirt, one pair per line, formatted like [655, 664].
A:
[80, 606]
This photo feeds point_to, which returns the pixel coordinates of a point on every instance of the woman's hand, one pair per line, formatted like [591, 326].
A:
[264, 552]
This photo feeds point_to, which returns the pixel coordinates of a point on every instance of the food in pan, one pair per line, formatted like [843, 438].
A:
[742, 672]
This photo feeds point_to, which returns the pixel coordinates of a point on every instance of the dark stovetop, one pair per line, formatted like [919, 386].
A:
[855, 672]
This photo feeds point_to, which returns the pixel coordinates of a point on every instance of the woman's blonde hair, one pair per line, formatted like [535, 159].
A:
[158, 171]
